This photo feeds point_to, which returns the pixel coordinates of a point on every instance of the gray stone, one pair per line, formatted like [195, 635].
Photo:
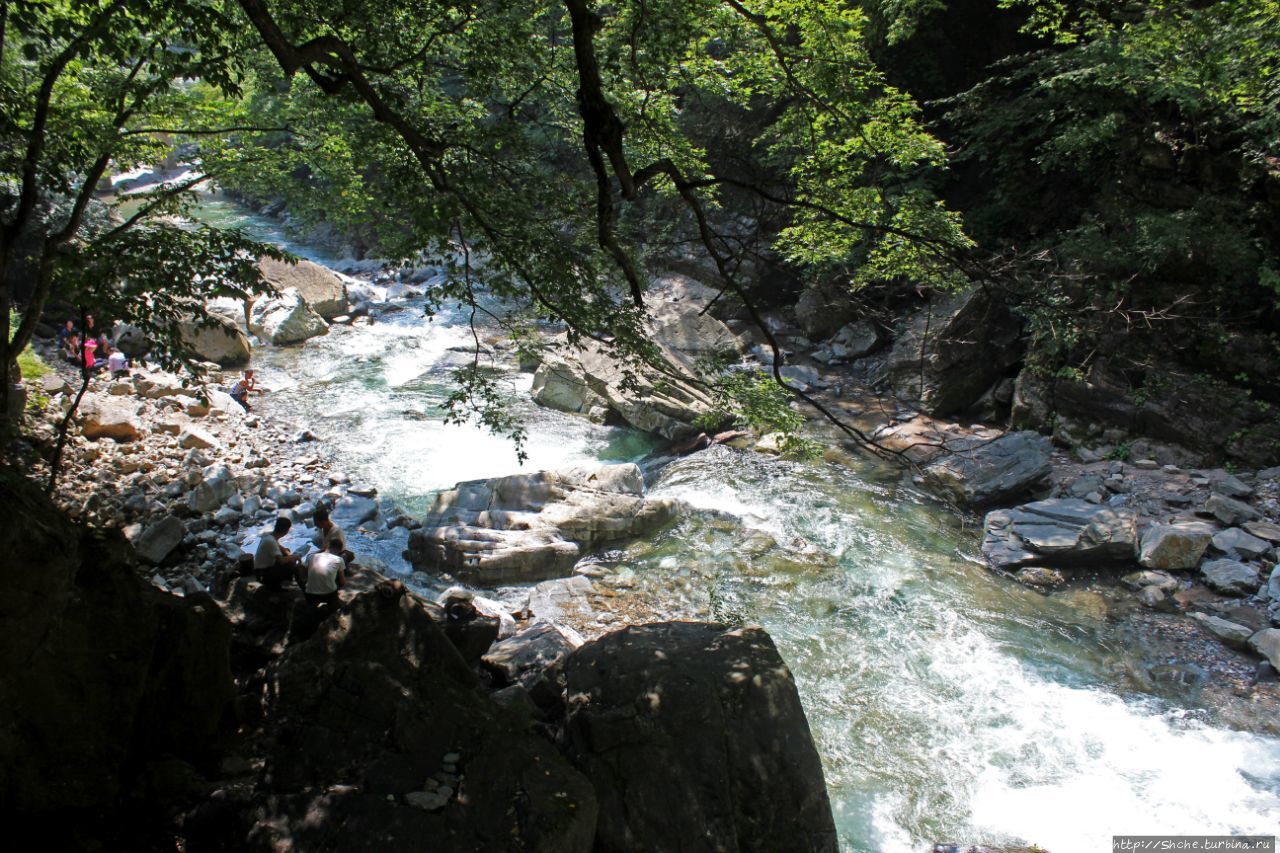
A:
[285, 319]
[1140, 580]
[226, 516]
[1232, 634]
[1263, 530]
[1058, 532]
[555, 600]
[1267, 643]
[1040, 576]
[194, 436]
[351, 511]
[857, 339]
[322, 290]
[521, 658]
[1273, 584]
[1223, 483]
[953, 351]
[800, 374]
[218, 340]
[109, 417]
[992, 471]
[158, 540]
[1154, 597]
[1230, 511]
[533, 526]
[1236, 541]
[1175, 546]
[215, 486]
[1230, 576]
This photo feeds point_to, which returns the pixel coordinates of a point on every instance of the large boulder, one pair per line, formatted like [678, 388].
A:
[643, 704]
[1176, 546]
[218, 339]
[533, 526]
[379, 710]
[102, 416]
[953, 351]
[592, 380]
[1058, 532]
[285, 319]
[823, 308]
[981, 473]
[216, 485]
[99, 674]
[321, 288]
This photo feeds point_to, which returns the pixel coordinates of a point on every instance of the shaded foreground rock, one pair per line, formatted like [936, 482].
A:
[533, 526]
[1059, 532]
[694, 738]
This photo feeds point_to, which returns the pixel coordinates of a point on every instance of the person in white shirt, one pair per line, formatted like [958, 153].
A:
[117, 363]
[326, 573]
[272, 561]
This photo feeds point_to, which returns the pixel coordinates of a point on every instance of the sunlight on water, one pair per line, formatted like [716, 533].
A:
[947, 703]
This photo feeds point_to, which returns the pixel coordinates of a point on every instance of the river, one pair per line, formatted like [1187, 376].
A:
[947, 703]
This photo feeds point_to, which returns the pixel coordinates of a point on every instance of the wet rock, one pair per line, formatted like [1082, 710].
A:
[285, 319]
[351, 511]
[1041, 577]
[1232, 634]
[1230, 577]
[1141, 580]
[1175, 546]
[532, 526]
[158, 539]
[640, 704]
[1155, 597]
[1235, 542]
[990, 472]
[1058, 532]
[108, 417]
[1230, 511]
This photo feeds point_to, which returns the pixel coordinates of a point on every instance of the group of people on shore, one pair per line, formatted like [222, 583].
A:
[322, 574]
[90, 348]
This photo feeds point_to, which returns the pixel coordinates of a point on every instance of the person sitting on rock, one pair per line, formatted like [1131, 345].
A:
[68, 329]
[326, 574]
[117, 364]
[243, 387]
[327, 532]
[72, 348]
[272, 561]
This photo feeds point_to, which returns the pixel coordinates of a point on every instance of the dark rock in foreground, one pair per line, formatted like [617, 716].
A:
[695, 740]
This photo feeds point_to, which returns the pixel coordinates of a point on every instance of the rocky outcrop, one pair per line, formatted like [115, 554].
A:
[109, 417]
[319, 287]
[1058, 532]
[532, 526]
[641, 703]
[219, 341]
[285, 319]
[592, 381]
[100, 675]
[379, 712]
[953, 351]
[979, 473]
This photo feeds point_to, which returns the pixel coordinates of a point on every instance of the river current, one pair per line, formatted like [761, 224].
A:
[948, 703]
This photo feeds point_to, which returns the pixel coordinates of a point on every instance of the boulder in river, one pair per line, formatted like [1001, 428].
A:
[285, 319]
[1059, 532]
[982, 473]
[319, 287]
[533, 526]
[695, 731]
[218, 340]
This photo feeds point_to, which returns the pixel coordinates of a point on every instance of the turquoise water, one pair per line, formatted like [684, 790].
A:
[947, 702]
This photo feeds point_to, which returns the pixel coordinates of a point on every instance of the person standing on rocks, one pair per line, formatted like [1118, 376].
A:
[243, 387]
[326, 574]
[272, 561]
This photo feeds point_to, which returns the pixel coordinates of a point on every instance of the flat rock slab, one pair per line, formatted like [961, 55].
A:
[1236, 542]
[1231, 633]
[522, 657]
[533, 526]
[991, 471]
[1058, 532]
[1263, 530]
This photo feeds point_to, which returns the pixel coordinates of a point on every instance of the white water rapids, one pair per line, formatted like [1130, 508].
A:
[948, 704]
